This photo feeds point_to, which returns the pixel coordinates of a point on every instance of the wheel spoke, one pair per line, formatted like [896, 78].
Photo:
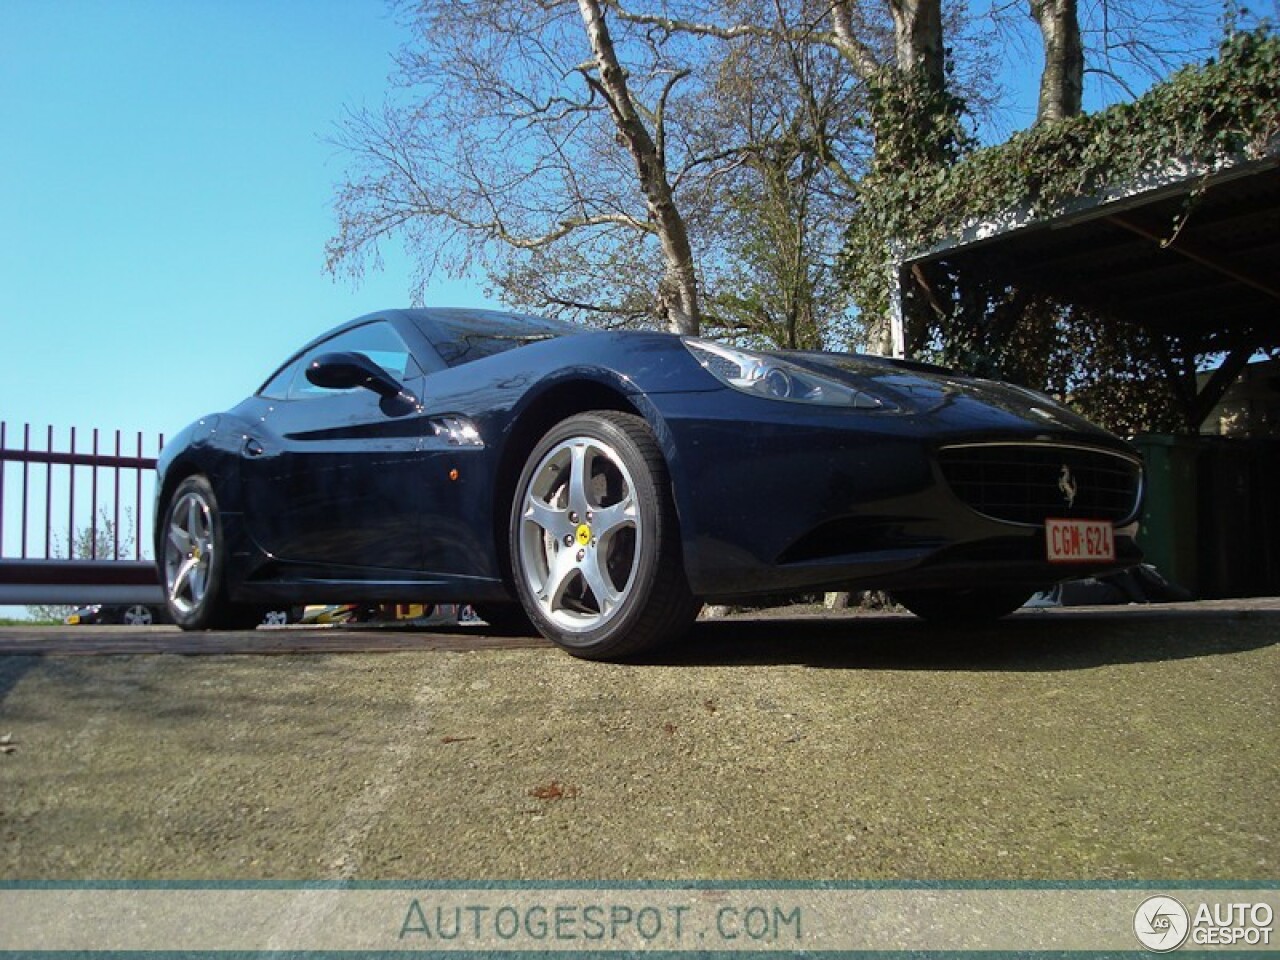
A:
[179, 539]
[182, 578]
[578, 501]
[199, 581]
[190, 558]
[193, 518]
[551, 519]
[562, 569]
[597, 578]
[609, 519]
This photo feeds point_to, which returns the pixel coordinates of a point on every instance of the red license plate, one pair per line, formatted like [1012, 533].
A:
[1079, 541]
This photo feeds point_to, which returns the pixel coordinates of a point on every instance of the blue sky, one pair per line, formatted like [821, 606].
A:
[165, 191]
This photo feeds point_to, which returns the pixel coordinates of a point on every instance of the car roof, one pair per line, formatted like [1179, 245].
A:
[493, 322]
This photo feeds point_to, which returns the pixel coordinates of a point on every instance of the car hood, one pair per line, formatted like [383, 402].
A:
[912, 387]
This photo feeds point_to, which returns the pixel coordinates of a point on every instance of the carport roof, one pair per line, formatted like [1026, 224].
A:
[1190, 254]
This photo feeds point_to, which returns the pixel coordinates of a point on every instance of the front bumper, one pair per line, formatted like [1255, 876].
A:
[798, 499]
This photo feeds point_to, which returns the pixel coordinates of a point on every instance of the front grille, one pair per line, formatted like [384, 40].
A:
[1029, 482]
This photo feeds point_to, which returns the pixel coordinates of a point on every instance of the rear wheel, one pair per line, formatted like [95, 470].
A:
[595, 546]
[194, 563]
[979, 605]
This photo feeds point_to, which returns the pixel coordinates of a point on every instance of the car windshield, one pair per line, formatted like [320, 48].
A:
[461, 336]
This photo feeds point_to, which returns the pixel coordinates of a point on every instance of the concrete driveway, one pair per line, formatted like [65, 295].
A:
[1079, 744]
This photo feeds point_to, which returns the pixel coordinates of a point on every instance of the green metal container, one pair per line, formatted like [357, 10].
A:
[1168, 530]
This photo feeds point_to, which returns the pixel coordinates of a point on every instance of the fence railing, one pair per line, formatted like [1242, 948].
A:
[75, 516]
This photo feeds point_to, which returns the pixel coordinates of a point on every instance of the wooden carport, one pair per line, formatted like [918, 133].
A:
[1193, 255]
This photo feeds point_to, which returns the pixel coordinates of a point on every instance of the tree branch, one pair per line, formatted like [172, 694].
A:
[841, 39]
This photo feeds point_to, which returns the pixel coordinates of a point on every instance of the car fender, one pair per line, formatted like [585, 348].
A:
[210, 447]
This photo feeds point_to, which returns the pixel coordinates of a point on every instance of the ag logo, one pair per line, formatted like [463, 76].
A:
[1161, 924]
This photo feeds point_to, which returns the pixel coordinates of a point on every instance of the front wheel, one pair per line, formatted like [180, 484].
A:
[194, 562]
[979, 605]
[595, 546]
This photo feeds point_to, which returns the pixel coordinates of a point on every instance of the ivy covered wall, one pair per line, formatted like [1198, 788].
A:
[1226, 110]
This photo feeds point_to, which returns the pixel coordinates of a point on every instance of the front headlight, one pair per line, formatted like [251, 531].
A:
[766, 376]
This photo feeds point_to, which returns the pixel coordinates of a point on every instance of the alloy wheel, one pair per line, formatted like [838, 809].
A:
[137, 615]
[189, 552]
[580, 534]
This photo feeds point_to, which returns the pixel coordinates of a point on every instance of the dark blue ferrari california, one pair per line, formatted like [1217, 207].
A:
[600, 486]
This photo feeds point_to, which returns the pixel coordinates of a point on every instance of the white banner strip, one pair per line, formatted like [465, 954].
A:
[574, 919]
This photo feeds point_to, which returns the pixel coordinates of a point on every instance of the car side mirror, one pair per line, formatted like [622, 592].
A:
[344, 371]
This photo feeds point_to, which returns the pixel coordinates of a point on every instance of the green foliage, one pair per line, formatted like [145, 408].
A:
[777, 288]
[917, 126]
[919, 137]
[1107, 368]
[919, 194]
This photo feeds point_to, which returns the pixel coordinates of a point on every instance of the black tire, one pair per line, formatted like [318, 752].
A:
[506, 619]
[193, 563]
[600, 572]
[978, 605]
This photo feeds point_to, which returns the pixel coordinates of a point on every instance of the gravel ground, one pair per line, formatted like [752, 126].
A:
[1126, 743]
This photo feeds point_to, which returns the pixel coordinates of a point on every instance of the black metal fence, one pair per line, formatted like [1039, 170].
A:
[75, 516]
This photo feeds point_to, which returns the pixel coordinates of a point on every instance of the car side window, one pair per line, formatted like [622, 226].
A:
[378, 341]
[277, 388]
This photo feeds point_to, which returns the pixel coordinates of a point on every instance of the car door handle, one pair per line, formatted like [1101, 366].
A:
[252, 448]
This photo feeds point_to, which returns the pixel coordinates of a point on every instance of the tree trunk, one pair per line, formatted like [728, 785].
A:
[920, 70]
[1062, 82]
[678, 293]
[917, 32]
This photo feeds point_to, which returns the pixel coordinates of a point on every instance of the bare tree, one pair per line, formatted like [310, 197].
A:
[682, 163]
[519, 126]
[602, 167]
[1062, 77]
[892, 49]
[678, 295]
[787, 117]
[1129, 44]
[1118, 46]
[918, 46]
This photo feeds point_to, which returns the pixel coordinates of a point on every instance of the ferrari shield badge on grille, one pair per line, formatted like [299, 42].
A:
[1067, 484]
